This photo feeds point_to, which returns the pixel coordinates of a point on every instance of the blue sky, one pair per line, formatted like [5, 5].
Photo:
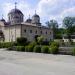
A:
[47, 9]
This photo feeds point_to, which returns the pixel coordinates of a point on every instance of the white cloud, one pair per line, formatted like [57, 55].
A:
[23, 6]
[47, 9]
[56, 9]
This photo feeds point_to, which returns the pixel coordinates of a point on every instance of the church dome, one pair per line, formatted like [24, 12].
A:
[3, 20]
[15, 16]
[35, 19]
[15, 11]
[36, 15]
[29, 20]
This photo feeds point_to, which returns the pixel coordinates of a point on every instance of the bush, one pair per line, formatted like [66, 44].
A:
[73, 52]
[37, 49]
[45, 43]
[29, 48]
[44, 49]
[20, 48]
[21, 41]
[55, 44]
[33, 43]
[53, 50]
[6, 44]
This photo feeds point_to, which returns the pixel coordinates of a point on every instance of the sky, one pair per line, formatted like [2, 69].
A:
[46, 9]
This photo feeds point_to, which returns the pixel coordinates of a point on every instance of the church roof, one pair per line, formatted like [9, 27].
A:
[13, 11]
[35, 15]
[29, 20]
[3, 20]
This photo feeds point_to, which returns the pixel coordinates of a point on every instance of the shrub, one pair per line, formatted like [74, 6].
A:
[53, 50]
[40, 39]
[21, 41]
[20, 48]
[73, 52]
[50, 42]
[1, 46]
[6, 44]
[45, 43]
[33, 43]
[29, 48]
[37, 49]
[55, 44]
[44, 49]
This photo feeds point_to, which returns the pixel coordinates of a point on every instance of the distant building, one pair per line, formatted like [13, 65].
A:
[17, 27]
[65, 38]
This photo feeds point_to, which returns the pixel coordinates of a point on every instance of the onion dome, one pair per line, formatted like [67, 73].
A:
[3, 20]
[15, 11]
[36, 15]
[28, 20]
[35, 19]
[15, 16]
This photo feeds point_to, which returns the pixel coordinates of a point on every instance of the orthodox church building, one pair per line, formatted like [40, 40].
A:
[17, 27]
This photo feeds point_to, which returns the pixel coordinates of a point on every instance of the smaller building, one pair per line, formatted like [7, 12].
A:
[65, 38]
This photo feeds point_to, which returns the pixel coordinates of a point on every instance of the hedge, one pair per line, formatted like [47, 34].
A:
[53, 50]
[73, 51]
[20, 48]
[29, 48]
[44, 49]
[6, 44]
[37, 49]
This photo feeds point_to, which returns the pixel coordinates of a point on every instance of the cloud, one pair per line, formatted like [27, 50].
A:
[56, 9]
[47, 9]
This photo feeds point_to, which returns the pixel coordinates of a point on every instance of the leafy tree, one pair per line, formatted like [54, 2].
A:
[53, 24]
[21, 41]
[60, 32]
[69, 24]
[40, 39]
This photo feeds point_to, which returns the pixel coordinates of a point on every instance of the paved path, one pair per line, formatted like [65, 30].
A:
[21, 63]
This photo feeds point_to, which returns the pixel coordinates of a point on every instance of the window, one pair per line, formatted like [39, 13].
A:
[50, 32]
[41, 32]
[25, 30]
[9, 18]
[30, 31]
[46, 32]
[50, 39]
[36, 31]
[46, 39]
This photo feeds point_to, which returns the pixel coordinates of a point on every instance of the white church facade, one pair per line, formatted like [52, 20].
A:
[17, 27]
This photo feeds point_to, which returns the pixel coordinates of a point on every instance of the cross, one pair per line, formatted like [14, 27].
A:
[2, 16]
[29, 16]
[15, 5]
[35, 11]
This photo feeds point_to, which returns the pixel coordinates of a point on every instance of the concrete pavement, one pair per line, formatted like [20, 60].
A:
[22, 63]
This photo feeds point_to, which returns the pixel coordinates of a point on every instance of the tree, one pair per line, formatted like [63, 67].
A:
[69, 23]
[53, 24]
[21, 41]
[40, 39]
